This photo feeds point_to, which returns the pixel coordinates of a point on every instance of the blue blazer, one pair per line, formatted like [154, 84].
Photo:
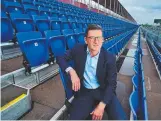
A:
[106, 68]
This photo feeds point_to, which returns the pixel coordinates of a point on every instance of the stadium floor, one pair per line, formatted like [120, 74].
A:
[153, 84]
[11, 65]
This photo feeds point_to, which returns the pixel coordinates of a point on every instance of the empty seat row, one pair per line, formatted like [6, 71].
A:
[24, 23]
[116, 44]
[137, 100]
[153, 43]
[63, 12]
[44, 9]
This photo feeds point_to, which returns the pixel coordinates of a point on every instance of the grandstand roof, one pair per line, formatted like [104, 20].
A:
[116, 7]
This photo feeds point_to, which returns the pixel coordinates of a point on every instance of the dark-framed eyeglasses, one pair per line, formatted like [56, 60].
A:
[99, 38]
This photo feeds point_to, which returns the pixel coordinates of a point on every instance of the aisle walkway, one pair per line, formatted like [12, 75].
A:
[153, 84]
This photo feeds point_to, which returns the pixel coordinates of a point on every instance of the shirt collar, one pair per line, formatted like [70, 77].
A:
[88, 52]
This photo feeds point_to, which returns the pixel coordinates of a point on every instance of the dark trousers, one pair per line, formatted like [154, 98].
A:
[86, 100]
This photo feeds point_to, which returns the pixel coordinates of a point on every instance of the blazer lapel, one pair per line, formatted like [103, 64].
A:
[83, 60]
[100, 65]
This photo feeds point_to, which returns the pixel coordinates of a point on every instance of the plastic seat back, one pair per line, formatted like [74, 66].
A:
[31, 10]
[55, 23]
[38, 4]
[13, 7]
[135, 81]
[23, 36]
[78, 30]
[7, 31]
[29, 2]
[44, 11]
[65, 25]
[22, 22]
[56, 42]
[67, 32]
[66, 83]
[34, 47]
[42, 23]
[80, 36]
[54, 14]
[73, 25]
[70, 38]
[134, 103]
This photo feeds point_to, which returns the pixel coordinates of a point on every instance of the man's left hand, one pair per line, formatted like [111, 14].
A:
[98, 112]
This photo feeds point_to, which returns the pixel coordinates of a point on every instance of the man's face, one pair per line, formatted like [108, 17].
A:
[94, 40]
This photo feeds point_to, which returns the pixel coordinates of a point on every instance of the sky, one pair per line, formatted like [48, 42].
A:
[143, 11]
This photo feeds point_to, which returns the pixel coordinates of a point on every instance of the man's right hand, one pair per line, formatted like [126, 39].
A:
[75, 80]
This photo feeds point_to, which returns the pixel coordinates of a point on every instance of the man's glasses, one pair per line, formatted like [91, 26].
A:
[100, 38]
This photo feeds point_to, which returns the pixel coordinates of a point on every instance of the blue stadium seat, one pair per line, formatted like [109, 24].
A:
[22, 22]
[79, 35]
[70, 37]
[28, 2]
[31, 9]
[144, 101]
[2, 5]
[71, 18]
[7, 31]
[54, 14]
[10, 0]
[48, 6]
[106, 45]
[115, 49]
[64, 22]
[41, 1]
[80, 25]
[78, 30]
[65, 25]
[44, 11]
[135, 81]
[85, 25]
[42, 23]
[13, 7]
[66, 80]
[73, 25]
[55, 23]
[63, 17]
[34, 47]
[136, 67]
[72, 21]
[134, 104]
[56, 42]
[38, 4]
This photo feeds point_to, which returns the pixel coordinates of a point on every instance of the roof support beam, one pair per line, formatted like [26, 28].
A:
[110, 4]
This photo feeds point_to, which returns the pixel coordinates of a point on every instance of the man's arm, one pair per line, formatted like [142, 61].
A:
[62, 61]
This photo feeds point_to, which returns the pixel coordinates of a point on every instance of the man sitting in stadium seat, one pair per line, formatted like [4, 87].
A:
[93, 78]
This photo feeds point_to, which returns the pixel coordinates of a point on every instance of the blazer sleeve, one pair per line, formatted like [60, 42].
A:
[62, 60]
[111, 79]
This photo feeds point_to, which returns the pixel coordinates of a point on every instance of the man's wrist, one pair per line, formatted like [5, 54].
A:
[71, 72]
[68, 69]
[102, 105]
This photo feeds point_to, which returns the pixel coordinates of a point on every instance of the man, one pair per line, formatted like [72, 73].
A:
[93, 78]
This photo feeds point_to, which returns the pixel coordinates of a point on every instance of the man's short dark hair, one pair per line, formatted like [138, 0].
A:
[92, 27]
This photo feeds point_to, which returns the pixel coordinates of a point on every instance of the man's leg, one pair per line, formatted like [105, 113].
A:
[81, 107]
[115, 110]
